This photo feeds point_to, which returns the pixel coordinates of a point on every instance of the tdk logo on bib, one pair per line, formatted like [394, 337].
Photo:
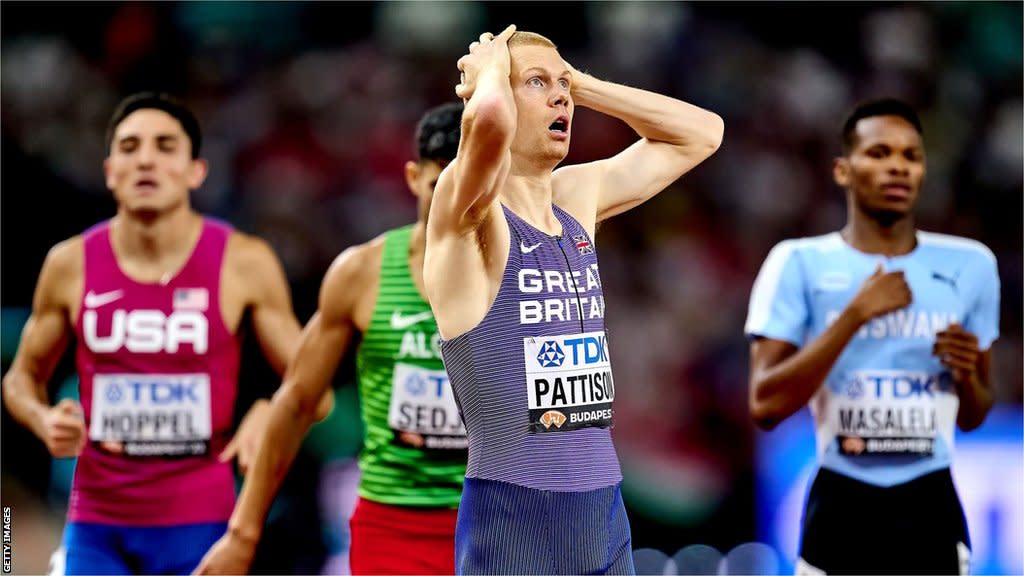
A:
[152, 414]
[887, 411]
[569, 382]
[897, 385]
[550, 355]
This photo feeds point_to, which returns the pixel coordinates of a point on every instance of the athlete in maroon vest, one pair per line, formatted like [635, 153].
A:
[155, 297]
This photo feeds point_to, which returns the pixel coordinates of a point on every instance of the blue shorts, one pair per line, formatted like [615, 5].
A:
[508, 529]
[111, 549]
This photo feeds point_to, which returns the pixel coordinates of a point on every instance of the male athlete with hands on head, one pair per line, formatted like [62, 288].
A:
[511, 273]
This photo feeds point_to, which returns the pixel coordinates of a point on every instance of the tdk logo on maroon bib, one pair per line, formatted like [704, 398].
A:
[147, 331]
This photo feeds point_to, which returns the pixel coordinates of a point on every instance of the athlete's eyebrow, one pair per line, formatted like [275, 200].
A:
[169, 138]
[544, 72]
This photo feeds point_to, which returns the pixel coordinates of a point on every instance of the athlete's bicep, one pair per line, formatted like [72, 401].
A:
[46, 333]
[766, 353]
[636, 174]
[273, 319]
[473, 180]
[327, 335]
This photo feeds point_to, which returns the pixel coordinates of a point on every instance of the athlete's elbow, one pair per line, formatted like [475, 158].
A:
[763, 412]
[325, 406]
[970, 420]
[487, 119]
[764, 419]
[713, 133]
[297, 404]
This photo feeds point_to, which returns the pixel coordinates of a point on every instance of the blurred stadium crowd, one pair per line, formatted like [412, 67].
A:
[308, 111]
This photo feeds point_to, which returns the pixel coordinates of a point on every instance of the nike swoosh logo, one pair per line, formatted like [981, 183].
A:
[94, 300]
[399, 322]
[527, 249]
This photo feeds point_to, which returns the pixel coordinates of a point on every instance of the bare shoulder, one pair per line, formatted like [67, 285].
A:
[575, 189]
[248, 254]
[356, 266]
[67, 256]
[63, 272]
[348, 285]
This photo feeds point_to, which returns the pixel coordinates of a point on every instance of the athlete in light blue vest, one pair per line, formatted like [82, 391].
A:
[886, 332]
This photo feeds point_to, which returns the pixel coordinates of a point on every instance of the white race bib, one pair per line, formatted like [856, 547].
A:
[152, 414]
[423, 412]
[887, 412]
[568, 381]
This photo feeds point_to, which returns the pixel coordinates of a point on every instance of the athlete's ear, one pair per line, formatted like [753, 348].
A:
[197, 173]
[108, 178]
[841, 171]
[412, 174]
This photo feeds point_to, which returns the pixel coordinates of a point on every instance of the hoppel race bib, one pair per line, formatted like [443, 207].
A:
[152, 414]
[568, 382]
[888, 412]
[423, 413]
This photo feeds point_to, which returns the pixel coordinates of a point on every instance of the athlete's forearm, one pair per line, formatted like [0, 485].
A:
[492, 102]
[287, 425]
[975, 402]
[26, 401]
[653, 116]
[780, 390]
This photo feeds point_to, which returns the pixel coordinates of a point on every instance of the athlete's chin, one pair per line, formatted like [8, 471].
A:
[144, 210]
[557, 151]
[889, 215]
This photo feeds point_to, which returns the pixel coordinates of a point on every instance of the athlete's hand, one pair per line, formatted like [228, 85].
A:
[247, 438]
[489, 51]
[957, 349]
[881, 293]
[579, 79]
[230, 555]
[64, 429]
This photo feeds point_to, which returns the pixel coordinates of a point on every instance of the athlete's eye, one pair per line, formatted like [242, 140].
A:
[128, 145]
[536, 82]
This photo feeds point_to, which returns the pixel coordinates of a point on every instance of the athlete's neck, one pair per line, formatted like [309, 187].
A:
[418, 240]
[529, 196]
[152, 249]
[871, 236]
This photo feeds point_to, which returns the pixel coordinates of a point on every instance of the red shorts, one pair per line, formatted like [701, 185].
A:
[390, 539]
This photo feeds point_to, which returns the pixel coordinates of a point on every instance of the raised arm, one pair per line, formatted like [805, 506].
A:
[43, 341]
[293, 410]
[473, 180]
[674, 137]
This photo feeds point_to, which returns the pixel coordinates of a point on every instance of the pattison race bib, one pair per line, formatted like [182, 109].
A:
[568, 382]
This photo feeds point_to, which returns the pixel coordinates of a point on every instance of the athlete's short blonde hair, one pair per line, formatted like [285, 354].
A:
[524, 38]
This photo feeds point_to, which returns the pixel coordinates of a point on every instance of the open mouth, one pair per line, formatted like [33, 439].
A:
[560, 125]
[146, 184]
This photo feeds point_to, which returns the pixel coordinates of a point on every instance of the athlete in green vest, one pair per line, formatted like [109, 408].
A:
[414, 455]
